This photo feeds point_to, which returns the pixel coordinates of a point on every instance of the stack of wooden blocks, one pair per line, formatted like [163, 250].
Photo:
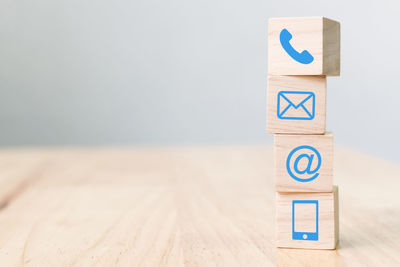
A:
[301, 53]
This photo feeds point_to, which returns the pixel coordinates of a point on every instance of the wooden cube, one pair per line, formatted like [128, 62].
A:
[296, 104]
[307, 220]
[303, 163]
[303, 46]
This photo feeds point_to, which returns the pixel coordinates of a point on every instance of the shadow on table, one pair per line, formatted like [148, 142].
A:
[307, 257]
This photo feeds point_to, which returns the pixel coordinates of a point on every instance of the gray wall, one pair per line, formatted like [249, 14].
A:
[182, 72]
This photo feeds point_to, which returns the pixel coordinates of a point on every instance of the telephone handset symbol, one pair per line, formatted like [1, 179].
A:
[304, 57]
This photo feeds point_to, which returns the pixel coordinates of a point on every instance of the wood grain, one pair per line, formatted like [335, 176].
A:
[328, 218]
[318, 35]
[309, 84]
[187, 206]
[331, 47]
[284, 144]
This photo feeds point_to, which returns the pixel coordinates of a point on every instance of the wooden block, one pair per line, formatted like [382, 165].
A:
[303, 163]
[307, 220]
[303, 46]
[296, 104]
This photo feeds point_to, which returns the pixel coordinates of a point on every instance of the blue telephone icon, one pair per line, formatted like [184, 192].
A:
[304, 57]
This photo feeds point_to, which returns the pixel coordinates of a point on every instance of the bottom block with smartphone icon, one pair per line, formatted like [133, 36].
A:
[307, 220]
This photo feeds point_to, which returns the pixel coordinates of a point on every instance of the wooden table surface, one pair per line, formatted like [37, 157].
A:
[193, 206]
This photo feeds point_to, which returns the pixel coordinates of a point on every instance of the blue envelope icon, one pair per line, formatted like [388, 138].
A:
[294, 105]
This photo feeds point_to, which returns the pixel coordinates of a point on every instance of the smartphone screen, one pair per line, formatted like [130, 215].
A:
[305, 219]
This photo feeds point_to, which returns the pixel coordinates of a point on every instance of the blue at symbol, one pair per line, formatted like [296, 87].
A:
[308, 154]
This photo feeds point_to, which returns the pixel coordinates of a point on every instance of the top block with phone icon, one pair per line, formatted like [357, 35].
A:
[303, 46]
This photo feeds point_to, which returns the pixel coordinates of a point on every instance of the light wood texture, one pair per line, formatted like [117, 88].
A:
[285, 144]
[305, 220]
[319, 36]
[310, 94]
[188, 206]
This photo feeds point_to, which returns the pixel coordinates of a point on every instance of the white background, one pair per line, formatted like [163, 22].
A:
[76, 72]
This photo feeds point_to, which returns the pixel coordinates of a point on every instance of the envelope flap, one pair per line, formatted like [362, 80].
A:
[296, 98]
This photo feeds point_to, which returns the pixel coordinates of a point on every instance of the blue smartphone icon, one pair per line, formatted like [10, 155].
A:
[305, 210]
[304, 57]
